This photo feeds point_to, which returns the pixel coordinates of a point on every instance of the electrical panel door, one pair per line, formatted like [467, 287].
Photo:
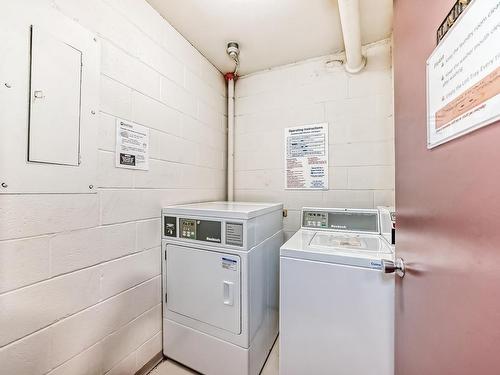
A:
[49, 97]
[54, 121]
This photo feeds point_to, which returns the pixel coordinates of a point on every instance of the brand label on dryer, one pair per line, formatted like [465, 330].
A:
[229, 264]
[376, 264]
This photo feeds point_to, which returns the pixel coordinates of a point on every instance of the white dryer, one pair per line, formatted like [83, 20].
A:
[336, 303]
[220, 285]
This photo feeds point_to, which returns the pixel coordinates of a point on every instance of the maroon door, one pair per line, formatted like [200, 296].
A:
[448, 224]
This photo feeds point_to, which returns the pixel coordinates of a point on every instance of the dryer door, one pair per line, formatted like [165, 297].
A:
[205, 286]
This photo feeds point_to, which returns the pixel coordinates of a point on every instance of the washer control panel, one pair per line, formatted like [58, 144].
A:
[342, 219]
[315, 219]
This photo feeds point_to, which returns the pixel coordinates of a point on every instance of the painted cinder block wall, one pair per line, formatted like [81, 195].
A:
[80, 273]
[359, 110]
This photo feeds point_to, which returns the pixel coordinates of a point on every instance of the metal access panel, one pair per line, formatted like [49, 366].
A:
[54, 123]
[50, 69]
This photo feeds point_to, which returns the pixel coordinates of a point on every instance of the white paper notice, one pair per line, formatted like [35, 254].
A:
[132, 145]
[463, 75]
[306, 157]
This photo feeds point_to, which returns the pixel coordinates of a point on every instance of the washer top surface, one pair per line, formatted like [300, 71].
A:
[356, 249]
[222, 209]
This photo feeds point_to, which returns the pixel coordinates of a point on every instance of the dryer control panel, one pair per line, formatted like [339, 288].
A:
[187, 228]
[200, 230]
[190, 228]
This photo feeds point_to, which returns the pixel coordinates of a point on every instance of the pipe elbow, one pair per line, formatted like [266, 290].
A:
[357, 68]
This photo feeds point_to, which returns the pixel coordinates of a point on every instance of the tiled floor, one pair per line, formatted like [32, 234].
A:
[172, 368]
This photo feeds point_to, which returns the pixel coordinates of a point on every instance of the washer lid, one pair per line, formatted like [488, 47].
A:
[233, 210]
[361, 250]
[348, 242]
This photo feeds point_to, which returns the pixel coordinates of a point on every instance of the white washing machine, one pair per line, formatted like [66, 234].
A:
[220, 285]
[336, 302]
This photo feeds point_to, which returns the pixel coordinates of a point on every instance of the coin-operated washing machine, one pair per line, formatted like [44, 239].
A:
[220, 285]
[336, 299]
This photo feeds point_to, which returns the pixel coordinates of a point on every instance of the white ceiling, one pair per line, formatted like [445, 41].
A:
[270, 32]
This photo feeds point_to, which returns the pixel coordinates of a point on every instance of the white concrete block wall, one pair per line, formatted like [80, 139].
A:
[80, 273]
[359, 110]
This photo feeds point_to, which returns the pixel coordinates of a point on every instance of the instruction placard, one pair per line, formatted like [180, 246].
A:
[463, 75]
[132, 145]
[306, 157]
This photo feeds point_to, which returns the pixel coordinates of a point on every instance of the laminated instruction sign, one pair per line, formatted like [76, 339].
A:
[132, 145]
[463, 75]
[306, 157]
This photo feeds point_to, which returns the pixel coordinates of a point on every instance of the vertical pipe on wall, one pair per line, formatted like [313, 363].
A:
[351, 31]
[230, 136]
[233, 51]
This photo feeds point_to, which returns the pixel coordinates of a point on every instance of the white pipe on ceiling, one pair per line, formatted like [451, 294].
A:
[351, 31]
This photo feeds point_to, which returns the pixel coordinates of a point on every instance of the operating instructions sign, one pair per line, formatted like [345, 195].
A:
[306, 157]
[132, 145]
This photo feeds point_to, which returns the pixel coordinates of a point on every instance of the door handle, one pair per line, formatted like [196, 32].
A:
[398, 266]
[228, 293]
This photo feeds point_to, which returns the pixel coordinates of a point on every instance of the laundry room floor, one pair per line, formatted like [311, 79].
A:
[169, 367]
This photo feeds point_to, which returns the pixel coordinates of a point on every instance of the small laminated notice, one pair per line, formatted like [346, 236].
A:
[132, 145]
[229, 264]
[234, 234]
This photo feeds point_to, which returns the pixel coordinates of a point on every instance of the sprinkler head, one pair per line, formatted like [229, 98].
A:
[233, 50]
